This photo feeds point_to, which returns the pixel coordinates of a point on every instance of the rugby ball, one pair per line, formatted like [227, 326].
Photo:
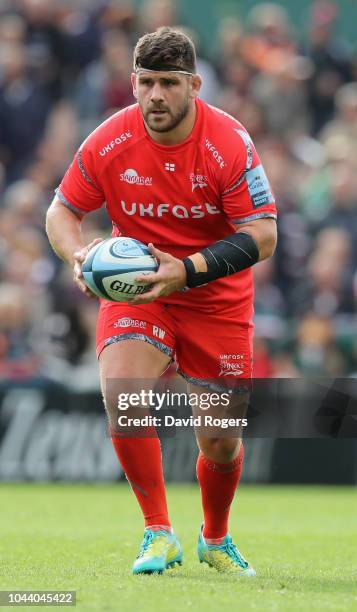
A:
[111, 267]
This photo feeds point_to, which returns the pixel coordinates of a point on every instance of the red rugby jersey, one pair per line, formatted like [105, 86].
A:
[182, 197]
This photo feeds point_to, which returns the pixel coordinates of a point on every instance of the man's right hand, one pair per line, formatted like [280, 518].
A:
[79, 257]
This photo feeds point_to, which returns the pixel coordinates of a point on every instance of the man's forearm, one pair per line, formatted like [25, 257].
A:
[64, 231]
[236, 252]
[266, 242]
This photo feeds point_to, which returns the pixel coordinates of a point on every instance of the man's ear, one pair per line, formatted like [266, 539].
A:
[133, 84]
[196, 82]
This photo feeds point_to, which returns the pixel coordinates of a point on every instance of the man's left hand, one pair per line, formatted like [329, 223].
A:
[170, 277]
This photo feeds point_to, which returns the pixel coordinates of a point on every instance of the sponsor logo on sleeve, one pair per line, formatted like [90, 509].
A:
[258, 186]
[118, 140]
[215, 153]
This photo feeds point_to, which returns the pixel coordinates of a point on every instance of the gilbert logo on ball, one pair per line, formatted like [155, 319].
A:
[111, 267]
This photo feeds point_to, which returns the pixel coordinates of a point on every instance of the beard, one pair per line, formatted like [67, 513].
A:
[169, 121]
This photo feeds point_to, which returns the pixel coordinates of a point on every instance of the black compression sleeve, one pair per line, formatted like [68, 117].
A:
[228, 256]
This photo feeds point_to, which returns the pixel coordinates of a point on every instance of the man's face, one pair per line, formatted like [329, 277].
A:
[163, 98]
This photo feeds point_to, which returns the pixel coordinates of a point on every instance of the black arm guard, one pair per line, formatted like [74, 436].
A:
[228, 256]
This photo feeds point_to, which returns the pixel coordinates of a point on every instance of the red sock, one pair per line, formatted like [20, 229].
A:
[218, 482]
[141, 461]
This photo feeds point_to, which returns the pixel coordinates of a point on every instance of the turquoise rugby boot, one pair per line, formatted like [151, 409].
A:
[225, 557]
[159, 551]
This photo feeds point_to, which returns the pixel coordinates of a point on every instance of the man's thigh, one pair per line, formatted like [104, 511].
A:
[214, 355]
[213, 351]
[128, 373]
[149, 323]
[132, 356]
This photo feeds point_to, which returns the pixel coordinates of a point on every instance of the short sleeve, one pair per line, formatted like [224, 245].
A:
[79, 190]
[246, 192]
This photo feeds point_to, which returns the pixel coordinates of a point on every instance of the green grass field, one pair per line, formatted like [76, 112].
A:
[302, 542]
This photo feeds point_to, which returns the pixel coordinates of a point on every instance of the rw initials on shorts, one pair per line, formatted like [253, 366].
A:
[159, 333]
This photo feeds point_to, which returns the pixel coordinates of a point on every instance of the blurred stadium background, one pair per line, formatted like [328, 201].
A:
[288, 71]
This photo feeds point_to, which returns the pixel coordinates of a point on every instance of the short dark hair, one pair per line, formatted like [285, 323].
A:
[165, 49]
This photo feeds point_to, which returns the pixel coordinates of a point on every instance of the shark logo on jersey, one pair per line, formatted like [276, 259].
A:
[198, 180]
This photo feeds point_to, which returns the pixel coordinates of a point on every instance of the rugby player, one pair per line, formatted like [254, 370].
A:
[185, 178]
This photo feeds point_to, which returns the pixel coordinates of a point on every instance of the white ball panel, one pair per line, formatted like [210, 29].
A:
[106, 259]
[121, 287]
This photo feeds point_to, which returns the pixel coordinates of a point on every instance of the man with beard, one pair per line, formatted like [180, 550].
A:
[183, 176]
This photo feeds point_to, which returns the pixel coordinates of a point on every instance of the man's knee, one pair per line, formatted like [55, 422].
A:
[124, 397]
[126, 369]
[221, 450]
